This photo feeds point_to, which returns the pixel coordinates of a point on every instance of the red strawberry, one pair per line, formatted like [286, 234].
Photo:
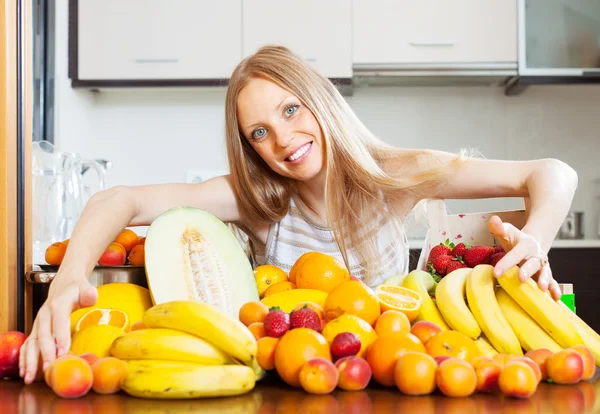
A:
[441, 263]
[276, 323]
[439, 250]
[498, 249]
[496, 258]
[454, 264]
[305, 317]
[477, 255]
[460, 249]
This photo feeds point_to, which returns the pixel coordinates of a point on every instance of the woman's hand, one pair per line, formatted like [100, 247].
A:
[525, 251]
[51, 331]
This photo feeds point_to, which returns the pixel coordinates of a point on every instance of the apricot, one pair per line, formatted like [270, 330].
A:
[487, 371]
[142, 240]
[354, 373]
[517, 380]
[90, 357]
[252, 312]
[128, 239]
[70, 376]
[589, 363]
[414, 373]
[455, 377]
[539, 356]
[109, 373]
[565, 367]
[137, 255]
[534, 366]
[391, 322]
[257, 329]
[504, 358]
[318, 376]
[114, 255]
[383, 354]
[425, 330]
[265, 352]
[441, 358]
[55, 253]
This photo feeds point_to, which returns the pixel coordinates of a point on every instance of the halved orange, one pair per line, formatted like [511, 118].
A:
[99, 316]
[399, 298]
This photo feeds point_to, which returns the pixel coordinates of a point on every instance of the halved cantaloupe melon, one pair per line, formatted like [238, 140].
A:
[192, 255]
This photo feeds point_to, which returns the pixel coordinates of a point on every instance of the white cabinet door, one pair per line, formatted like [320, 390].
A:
[158, 39]
[434, 31]
[317, 30]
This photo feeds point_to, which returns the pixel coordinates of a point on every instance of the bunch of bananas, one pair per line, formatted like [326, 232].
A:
[501, 314]
[188, 350]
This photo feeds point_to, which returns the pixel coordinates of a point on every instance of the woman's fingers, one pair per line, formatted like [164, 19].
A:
[554, 289]
[61, 329]
[530, 268]
[545, 278]
[31, 357]
[46, 339]
[512, 258]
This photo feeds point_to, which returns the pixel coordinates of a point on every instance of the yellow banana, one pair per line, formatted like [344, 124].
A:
[171, 379]
[423, 283]
[540, 307]
[487, 313]
[450, 298]
[530, 334]
[206, 322]
[484, 346]
[168, 344]
[590, 338]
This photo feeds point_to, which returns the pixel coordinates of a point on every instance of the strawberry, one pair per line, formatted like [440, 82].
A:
[496, 258]
[453, 265]
[439, 250]
[460, 249]
[276, 323]
[440, 264]
[498, 249]
[477, 255]
[305, 317]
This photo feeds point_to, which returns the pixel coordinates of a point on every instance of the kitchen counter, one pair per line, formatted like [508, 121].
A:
[272, 397]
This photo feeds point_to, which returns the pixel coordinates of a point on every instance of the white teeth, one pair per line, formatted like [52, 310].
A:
[301, 151]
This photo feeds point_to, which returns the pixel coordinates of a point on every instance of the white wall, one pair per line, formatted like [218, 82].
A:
[156, 136]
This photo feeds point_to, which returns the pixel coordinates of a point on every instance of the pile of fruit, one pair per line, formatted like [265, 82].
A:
[127, 248]
[480, 334]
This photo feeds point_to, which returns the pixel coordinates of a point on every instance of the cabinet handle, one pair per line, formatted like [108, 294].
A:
[417, 44]
[156, 60]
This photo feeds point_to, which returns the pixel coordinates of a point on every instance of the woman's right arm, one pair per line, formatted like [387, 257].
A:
[104, 216]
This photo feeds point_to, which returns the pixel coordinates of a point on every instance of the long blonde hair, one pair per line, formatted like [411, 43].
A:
[357, 185]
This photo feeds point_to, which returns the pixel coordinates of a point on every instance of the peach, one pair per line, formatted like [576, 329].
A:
[589, 363]
[441, 358]
[540, 356]
[70, 376]
[565, 367]
[109, 373]
[456, 377]
[55, 253]
[90, 357]
[517, 380]
[318, 376]
[137, 255]
[425, 330]
[345, 344]
[414, 373]
[10, 347]
[114, 255]
[128, 239]
[534, 366]
[504, 358]
[487, 371]
[354, 373]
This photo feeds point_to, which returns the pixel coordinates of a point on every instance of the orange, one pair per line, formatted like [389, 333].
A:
[414, 373]
[391, 322]
[265, 352]
[312, 305]
[455, 377]
[279, 287]
[401, 299]
[99, 316]
[321, 272]
[454, 344]
[350, 323]
[384, 352]
[251, 312]
[268, 275]
[352, 298]
[136, 255]
[128, 239]
[55, 253]
[257, 329]
[295, 348]
[298, 265]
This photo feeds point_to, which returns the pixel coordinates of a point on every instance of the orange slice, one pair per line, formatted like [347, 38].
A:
[99, 316]
[399, 298]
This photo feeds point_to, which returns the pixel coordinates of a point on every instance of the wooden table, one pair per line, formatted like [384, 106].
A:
[271, 397]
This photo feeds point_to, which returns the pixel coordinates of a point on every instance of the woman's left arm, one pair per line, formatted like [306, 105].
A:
[548, 186]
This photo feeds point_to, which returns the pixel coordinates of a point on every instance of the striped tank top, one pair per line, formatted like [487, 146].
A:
[298, 233]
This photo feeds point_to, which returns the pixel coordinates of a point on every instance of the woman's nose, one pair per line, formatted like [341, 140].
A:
[284, 136]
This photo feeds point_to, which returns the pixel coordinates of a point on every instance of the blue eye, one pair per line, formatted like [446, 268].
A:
[259, 133]
[291, 110]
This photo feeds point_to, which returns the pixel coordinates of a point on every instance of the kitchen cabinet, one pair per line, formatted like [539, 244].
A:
[401, 32]
[319, 31]
[165, 42]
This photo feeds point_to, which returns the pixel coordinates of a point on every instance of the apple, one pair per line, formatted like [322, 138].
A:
[10, 346]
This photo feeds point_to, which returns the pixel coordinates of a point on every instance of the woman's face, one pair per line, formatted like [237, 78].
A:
[282, 131]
